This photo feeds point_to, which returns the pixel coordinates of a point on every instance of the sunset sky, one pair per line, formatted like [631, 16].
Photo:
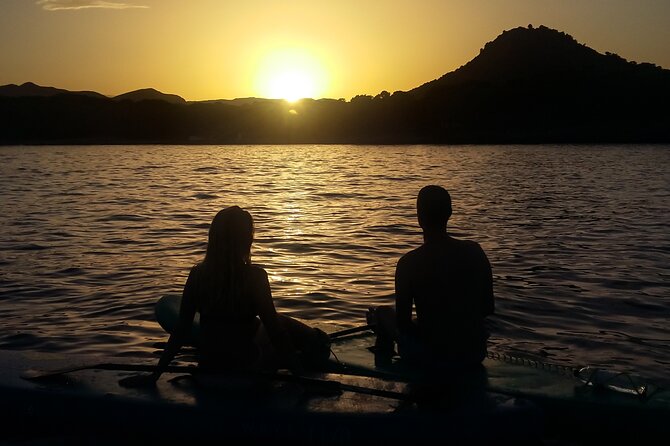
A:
[212, 49]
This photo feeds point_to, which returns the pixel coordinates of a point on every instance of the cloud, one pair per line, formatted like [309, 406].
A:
[59, 5]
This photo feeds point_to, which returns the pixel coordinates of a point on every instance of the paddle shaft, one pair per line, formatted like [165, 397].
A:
[323, 383]
[348, 331]
[334, 335]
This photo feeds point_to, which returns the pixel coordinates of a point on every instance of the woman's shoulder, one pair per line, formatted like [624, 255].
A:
[256, 280]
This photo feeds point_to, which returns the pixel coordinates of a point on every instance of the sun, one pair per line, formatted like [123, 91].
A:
[290, 74]
[291, 84]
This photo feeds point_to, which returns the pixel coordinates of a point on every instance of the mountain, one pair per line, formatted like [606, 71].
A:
[539, 84]
[150, 94]
[240, 101]
[529, 85]
[529, 53]
[30, 89]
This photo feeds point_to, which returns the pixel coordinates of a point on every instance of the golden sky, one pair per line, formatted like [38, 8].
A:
[223, 49]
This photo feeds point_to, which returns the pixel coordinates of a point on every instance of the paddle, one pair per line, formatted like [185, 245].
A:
[40, 374]
[37, 375]
[334, 335]
[348, 331]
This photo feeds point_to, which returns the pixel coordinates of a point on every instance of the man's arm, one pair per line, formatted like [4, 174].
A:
[403, 296]
[486, 281]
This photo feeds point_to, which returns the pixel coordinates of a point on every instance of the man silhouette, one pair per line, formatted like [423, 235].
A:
[450, 284]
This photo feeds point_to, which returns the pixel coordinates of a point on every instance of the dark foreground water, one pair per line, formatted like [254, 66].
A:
[578, 238]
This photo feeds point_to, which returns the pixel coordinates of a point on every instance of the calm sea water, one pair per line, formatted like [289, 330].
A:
[577, 236]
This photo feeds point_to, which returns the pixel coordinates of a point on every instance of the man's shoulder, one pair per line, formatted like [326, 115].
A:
[456, 248]
[469, 249]
[411, 256]
[196, 269]
[467, 245]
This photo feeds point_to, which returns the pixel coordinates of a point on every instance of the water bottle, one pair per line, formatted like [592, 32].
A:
[615, 381]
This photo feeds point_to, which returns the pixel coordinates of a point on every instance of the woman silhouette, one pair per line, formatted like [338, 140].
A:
[239, 326]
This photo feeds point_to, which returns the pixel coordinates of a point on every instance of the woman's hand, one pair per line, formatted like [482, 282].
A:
[295, 364]
[136, 381]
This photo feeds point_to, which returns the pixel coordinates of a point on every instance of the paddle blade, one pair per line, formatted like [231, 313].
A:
[36, 374]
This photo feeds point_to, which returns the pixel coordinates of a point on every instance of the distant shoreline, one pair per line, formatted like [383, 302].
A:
[528, 86]
[538, 144]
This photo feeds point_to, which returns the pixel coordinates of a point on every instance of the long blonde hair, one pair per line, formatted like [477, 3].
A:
[228, 252]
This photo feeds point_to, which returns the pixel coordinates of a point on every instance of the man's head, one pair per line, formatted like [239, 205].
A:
[433, 207]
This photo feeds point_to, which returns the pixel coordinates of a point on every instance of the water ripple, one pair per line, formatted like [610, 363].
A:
[577, 237]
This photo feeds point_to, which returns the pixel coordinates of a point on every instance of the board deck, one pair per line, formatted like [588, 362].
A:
[553, 386]
[507, 402]
[166, 311]
[568, 403]
[92, 401]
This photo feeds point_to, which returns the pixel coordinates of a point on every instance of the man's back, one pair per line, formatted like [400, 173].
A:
[450, 283]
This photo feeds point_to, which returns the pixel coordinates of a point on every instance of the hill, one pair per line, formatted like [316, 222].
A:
[150, 94]
[539, 84]
[30, 89]
[529, 85]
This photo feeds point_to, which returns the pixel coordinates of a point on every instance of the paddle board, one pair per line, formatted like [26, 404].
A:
[571, 403]
[166, 311]
[89, 403]
[582, 407]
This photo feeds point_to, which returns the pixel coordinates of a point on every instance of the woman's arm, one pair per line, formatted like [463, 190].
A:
[186, 315]
[262, 298]
[176, 340]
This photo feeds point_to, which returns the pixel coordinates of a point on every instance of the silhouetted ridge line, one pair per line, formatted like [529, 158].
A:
[145, 94]
[30, 89]
[529, 85]
[526, 53]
